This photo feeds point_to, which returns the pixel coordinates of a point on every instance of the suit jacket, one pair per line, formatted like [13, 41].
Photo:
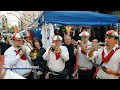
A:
[4, 47]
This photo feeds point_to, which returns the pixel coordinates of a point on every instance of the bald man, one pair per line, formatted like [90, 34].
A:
[72, 59]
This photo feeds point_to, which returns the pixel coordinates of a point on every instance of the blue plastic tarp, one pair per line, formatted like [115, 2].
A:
[79, 18]
[37, 33]
[116, 24]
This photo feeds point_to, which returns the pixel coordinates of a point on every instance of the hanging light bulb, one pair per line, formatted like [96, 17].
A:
[55, 25]
[68, 29]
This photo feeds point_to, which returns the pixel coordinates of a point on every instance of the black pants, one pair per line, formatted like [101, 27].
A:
[70, 72]
[96, 77]
[42, 76]
[85, 74]
[62, 75]
[94, 69]
[31, 76]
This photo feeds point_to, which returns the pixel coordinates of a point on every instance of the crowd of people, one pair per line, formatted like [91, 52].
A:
[70, 59]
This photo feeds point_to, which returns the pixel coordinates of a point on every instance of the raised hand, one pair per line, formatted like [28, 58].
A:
[58, 50]
[108, 70]
[23, 48]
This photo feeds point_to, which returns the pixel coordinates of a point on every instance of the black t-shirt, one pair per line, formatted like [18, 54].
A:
[4, 47]
[39, 61]
[72, 57]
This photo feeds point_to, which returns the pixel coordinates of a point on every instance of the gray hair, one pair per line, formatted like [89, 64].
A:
[67, 36]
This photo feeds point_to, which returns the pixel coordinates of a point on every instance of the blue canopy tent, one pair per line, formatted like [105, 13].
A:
[37, 33]
[83, 18]
[88, 18]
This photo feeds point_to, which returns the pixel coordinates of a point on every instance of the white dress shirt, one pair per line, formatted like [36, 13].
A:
[113, 62]
[56, 65]
[83, 60]
[12, 75]
[14, 61]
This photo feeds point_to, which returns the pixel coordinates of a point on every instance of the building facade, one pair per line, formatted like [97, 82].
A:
[29, 17]
[19, 18]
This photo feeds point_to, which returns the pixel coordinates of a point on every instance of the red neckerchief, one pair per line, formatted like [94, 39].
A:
[107, 58]
[57, 56]
[23, 57]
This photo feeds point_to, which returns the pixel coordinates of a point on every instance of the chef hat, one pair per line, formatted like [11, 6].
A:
[17, 36]
[84, 33]
[57, 38]
[112, 33]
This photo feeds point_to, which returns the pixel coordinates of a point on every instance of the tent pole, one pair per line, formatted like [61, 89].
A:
[36, 19]
[118, 30]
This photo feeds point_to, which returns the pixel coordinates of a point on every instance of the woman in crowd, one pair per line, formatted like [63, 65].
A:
[38, 61]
